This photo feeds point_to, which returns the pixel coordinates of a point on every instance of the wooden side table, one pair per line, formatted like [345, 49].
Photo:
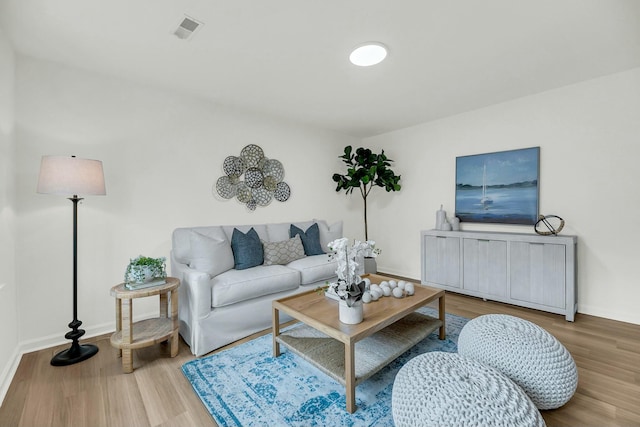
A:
[129, 335]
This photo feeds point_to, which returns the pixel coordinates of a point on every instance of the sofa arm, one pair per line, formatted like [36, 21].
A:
[195, 290]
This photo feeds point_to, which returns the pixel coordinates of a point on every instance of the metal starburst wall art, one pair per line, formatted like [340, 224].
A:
[252, 179]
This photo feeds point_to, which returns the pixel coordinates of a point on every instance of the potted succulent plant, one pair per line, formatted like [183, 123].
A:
[144, 269]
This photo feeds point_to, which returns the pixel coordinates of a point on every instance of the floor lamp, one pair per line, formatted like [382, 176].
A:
[72, 176]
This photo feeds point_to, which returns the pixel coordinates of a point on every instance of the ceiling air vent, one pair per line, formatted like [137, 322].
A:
[186, 28]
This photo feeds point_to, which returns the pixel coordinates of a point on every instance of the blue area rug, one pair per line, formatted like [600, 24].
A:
[247, 386]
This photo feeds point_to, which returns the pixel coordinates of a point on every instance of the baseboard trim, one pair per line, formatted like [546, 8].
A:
[391, 272]
[50, 341]
[58, 339]
[626, 317]
[8, 373]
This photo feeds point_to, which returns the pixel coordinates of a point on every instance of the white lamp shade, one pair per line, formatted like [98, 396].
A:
[69, 175]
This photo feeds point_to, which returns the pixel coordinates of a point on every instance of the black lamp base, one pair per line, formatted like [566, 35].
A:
[77, 353]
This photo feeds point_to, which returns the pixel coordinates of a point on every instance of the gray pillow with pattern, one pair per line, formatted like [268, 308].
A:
[283, 252]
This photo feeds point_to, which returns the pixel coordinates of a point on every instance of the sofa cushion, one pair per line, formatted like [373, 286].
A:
[181, 240]
[278, 232]
[310, 239]
[283, 252]
[261, 229]
[328, 233]
[235, 286]
[209, 254]
[247, 249]
[314, 268]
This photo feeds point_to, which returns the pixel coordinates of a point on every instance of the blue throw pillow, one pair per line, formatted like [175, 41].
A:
[247, 249]
[310, 239]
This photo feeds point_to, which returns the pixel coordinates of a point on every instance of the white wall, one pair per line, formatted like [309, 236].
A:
[589, 134]
[162, 153]
[8, 300]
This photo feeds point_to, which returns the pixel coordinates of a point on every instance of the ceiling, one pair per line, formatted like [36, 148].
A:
[289, 58]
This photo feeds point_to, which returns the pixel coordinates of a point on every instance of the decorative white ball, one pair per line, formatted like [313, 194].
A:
[367, 281]
[393, 284]
[366, 297]
[409, 288]
[375, 287]
[383, 283]
[397, 292]
[375, 294]
[386, 291]
[402, 284]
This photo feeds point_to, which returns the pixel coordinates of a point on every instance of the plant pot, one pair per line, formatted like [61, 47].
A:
[141, 274]
[351, 315]
[370, 265]
[143, 270]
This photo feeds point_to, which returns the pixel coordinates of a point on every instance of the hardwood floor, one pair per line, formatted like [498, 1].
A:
[96, 392]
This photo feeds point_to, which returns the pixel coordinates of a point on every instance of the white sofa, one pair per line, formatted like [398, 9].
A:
[219, 304]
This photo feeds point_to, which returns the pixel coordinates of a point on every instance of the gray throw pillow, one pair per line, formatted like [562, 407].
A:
[283, 252]
[247, 249]
[209, 254]
[328, 233]
[310, 239]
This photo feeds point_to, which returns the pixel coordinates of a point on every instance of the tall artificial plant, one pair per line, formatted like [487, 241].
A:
[366, 170]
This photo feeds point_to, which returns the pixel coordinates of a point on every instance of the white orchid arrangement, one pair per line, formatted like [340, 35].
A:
[350, 287]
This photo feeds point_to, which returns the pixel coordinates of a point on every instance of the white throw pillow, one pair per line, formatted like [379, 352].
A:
[328, 233]
[210, 255]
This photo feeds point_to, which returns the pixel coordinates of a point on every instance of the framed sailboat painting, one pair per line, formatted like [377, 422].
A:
[500, 187]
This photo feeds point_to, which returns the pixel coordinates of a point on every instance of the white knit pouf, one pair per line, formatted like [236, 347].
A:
[532, 357]
[446, 389]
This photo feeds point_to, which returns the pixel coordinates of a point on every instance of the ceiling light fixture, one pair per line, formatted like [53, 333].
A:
[368, 54]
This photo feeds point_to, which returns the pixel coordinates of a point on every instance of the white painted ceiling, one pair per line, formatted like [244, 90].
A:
[289, 58]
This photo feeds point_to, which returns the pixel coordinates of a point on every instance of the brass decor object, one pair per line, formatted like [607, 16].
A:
[553, 231]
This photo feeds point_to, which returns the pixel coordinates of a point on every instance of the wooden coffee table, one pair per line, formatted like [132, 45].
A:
[390, 326]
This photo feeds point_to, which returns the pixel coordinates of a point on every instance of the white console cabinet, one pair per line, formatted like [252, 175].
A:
[528, 270]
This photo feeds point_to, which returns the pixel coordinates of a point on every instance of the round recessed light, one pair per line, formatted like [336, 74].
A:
[371, 53]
